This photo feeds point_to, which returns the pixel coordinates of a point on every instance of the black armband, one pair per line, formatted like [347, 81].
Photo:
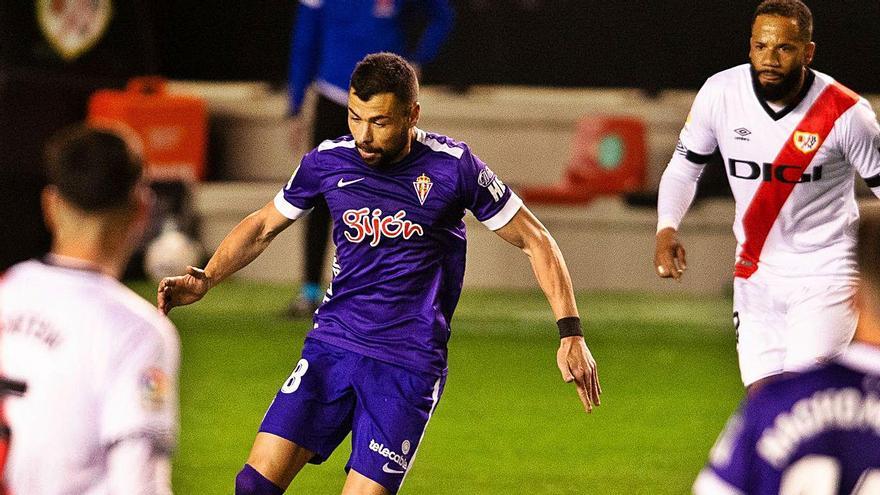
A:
[569, 326]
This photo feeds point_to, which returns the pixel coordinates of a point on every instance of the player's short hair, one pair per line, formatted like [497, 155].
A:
[385, 73]
[93, 168]
[868, 252]
[792, 9]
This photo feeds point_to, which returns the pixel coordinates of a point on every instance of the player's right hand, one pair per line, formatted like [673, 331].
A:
[670, 259]
[577, 365]
[182, 290]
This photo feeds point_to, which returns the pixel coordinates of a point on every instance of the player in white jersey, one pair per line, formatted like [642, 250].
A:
[92, 367]
[792, 140]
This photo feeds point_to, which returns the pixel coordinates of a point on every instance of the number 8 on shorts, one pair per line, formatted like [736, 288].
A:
[292, 383]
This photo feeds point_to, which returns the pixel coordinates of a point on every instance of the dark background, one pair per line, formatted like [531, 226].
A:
[650, 45]
[654, 45]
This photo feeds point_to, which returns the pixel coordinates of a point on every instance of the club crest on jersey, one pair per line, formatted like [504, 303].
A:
[375, 226]
[423, 186]
[73, 27]
[806, 142]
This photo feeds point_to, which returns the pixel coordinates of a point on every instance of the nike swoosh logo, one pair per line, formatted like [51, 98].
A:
[342, 182]
[389, 470]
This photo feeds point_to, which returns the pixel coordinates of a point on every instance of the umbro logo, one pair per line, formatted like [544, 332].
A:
[342, 182]
[741, 133]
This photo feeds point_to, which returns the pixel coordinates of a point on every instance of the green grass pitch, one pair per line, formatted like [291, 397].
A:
[506, 424]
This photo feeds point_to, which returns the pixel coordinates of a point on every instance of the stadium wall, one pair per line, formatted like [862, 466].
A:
[524, 134]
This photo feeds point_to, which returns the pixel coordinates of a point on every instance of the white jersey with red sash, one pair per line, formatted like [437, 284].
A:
[791, 171]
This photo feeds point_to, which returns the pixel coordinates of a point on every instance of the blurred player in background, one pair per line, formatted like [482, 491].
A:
[375, 362]
[330, 37]
[793, 139]
[817, 432]
[97, 364]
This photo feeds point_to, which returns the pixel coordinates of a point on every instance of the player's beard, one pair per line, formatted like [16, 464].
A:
[780, 90]
[389, 154]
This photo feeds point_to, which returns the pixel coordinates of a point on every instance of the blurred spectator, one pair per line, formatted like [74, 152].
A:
[329, 38]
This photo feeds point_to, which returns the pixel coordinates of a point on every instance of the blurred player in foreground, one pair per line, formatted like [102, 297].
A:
[819, 432]
[95, 410]
[793, 139]
[375, 362]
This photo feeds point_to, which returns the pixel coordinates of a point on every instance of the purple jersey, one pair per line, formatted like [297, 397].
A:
[400, 243]
[818, 432]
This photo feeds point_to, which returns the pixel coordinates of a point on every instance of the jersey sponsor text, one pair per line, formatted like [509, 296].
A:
[365, 224]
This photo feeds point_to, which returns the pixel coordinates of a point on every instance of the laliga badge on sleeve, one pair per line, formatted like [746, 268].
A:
[154, 388]
[73, 27]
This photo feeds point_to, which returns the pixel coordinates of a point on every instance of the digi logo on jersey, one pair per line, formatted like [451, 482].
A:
[376, 226]
[767, 172]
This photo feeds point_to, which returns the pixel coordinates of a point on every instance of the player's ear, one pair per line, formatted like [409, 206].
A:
[809, 53]
[414, 114]
[49, 199]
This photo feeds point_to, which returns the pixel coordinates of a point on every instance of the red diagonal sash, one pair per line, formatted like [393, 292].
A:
[798, 152]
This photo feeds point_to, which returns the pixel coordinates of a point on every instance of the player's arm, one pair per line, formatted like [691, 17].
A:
[441, 19]
[139, 411]
[574, 359]
[304, 50]
[733, 458]
[861, 143]
[136, 465]
[241, 246]
[678, 185]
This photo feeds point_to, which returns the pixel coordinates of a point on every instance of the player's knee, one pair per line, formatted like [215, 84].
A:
[250, 482]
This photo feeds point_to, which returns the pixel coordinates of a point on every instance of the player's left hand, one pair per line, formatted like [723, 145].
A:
[182, 290]
[577, 365]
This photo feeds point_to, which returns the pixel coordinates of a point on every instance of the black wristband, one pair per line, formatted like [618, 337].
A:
[570, 326]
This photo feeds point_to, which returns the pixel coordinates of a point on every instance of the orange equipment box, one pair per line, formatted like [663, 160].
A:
[173, 128]
[608, 157]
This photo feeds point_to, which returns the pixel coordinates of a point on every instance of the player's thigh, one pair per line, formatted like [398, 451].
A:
[759, 322]
[358, 484]
[820, 323]
[394, 406]
[279, 460]
[315, 405]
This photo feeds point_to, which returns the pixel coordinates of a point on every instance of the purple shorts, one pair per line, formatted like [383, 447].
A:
[333, 391]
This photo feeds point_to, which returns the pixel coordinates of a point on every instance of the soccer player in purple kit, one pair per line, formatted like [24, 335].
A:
[818, 432]
[375, 362]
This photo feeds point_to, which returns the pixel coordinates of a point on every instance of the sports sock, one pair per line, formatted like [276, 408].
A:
[311, 291]
[250, 482]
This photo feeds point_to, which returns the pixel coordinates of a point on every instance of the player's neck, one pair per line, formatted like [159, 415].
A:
[104, 250]
[411, 136]
[94, 258]
[867, 332]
